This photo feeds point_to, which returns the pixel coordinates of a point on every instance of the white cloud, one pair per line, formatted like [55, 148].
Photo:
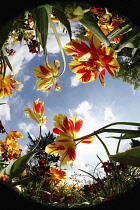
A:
[26, 78]
[21, 86]
[5, 110]
[109, 117]
[21, 56]
[89, 122]
[52, 45]
[18, 102]
[74, 82]
[24, 149]
[27, 127]
[44, 127]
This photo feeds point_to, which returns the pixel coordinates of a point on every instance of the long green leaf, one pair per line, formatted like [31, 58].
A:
[130, 157]
[63, 19]
[2, 103]
[4, 32]
[126, 136]
[101, 130]
[20, 164]
[122, 28]
[7, 169]
[23, 181]
[41, 18]
[59, 44]
[90, 22]
[5, 58]
[129, 37]
[122, 131]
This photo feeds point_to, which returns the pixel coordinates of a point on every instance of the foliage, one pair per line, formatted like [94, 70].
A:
[45, 140]
[129, 67]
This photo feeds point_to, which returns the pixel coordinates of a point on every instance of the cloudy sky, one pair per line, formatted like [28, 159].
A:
[97, 106]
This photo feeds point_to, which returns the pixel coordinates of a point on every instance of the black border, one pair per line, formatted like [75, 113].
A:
[8, 197]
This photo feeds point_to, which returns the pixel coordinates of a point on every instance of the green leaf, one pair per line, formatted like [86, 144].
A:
[127, 136]
[63, 19]
[7, 169]
[2, 103]
[130, 157]
[23, 181]
[137, 132]
[101, 130]
[90, 22]
[59, 5]
[59, 44]
[129, 39]
[5, 58]
[20, 164]
[121, 29]
[41, 18]
[4, 32]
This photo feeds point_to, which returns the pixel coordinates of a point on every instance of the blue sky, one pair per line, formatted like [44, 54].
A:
[97, 106]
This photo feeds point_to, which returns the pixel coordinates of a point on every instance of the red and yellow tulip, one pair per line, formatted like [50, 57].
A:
[47, 75]
[7, 83]
[38, 112]
[91, 60]
[56, 175]
[108, 27]
[65, 144]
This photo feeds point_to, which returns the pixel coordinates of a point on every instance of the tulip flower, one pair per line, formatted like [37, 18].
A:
[38, 112]
[65, 144]
[47, 75]
[7, 83]
[9, 148]
[91, 61]
[56, 175]
[108, 27]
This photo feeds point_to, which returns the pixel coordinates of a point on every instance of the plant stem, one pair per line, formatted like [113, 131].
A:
[60, 46]
[105, 147]
[38, 141]
[102, 130]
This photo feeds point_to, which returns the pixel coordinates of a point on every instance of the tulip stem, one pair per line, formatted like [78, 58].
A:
[84, 137]
[38, 141]
[60, 46]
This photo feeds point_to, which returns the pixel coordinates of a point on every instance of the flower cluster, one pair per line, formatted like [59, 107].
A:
[10, 52]
[65, 143]
[32, 45]
[88, 188]
[9, 148]
[49, 173]
[90, 61]
[108, 167]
